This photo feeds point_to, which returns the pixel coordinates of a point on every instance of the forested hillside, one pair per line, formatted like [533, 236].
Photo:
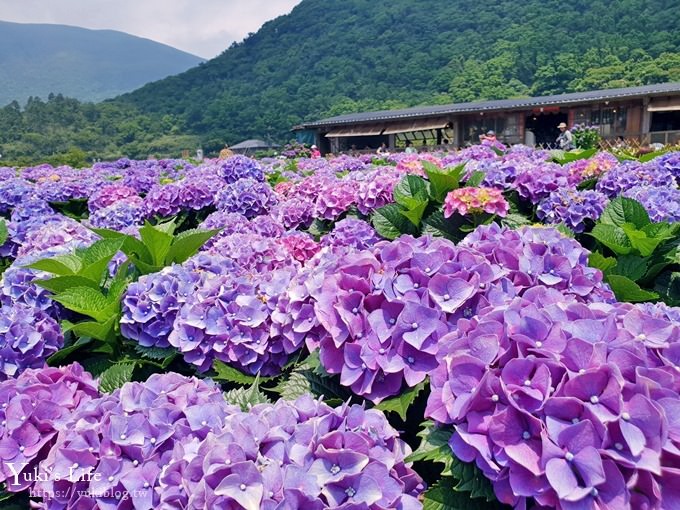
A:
[327, 58]
[90, 65]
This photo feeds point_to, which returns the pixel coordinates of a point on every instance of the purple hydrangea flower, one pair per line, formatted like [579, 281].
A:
[376, 190]
[121, 443]
[119, 216]
[661, 203]
[671, 162]
[109, 195]
[151, 304]
[535, 182]
[300, 454]
[229, 318]
[591, 168]
[335, 199]
[67, 234]
[240, 167]
[562, 401]
[35, 407]
[541, 256]
[295, 212]
[195, 194]
[630, 174]
[247, 197]
[13, 192]
[267, 226]
[386, 309]
[300, 245]
[351, 232]
[252, 252]
[28, 336]
[163, 200]
[572, 208]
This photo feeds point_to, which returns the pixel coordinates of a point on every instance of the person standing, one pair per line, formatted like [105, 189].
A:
[565, 140]
[410, 149]
[383, 150]
[316, 153]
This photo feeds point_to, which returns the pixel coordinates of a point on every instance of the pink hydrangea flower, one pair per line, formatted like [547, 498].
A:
[471, 200]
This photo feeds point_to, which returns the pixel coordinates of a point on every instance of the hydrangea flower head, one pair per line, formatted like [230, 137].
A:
[293, 455]
[124, 440]
[109, 195]
[386, 309]
[247, 197]
[572, 208]
[473, 200]
[36, 406]
[28, 336]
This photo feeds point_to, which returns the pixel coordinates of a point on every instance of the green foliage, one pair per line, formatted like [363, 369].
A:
[442, 180]
[159, 246]
[463, 485]
[641, 251]
[224, 372]
[116, 376]
[3, 231]
[444, 495]
[390, 223]
[401, 403]
[245, 398]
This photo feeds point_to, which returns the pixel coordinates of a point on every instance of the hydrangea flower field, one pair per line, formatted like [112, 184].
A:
[478, 329]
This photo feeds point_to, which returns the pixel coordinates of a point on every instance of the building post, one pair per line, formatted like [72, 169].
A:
[391, 141]
[457, 133]
[646, 121]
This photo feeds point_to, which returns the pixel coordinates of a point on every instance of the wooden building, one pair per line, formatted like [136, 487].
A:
[648, 114]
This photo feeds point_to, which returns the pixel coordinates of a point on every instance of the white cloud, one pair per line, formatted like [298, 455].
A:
[203, 27]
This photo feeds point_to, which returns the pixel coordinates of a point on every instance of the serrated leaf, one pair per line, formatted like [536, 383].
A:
[96, 262]
[63, 283]
[443, 496]
[410, 190]
[229, 374]
[246, 398]
[390, 223]
[449, 228]
[62, 354]
[86, 301]
[599, 261]
[639, 240]
[652, 155]
[475, 179]
[131, 245]
[515, 220]
[63, 265]
[98, 330]
[157, 353]
[627, 290]
[157, 242]
[612, 237]
[116, 376]
[623, 210]
[415, 213]
[630, 266]
[434, 445]
[96, 365]
[564, 230]
[401, 403]
[442, 180]
[294, 386]
[187, 244]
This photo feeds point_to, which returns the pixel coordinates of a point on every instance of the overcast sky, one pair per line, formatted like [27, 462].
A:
[202, 27]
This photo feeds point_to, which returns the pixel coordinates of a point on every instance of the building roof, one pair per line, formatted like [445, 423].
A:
[252, 144]
[501, 104]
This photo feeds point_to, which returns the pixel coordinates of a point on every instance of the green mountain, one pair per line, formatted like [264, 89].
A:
[90, 65]
[327, 58]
